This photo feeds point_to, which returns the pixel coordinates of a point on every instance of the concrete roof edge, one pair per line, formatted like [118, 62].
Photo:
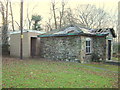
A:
[33, 31]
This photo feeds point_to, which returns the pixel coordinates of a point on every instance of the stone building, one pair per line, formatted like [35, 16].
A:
[74, 43]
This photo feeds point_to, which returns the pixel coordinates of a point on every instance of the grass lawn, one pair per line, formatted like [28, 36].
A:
[116, 58]
[41, 73]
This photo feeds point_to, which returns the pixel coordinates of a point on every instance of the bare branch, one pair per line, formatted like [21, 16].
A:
[17, 24]
[12, 16]
[54, 12]
[91, 16]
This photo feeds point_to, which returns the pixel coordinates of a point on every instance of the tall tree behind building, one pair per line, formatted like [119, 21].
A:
[118, 28]
[11, 11]
[57, 12]
[118, 22]
[92, 17]
[36, 19]
[4, 13]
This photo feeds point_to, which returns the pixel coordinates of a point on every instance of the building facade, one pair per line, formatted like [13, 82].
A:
[31, 43]
[77, 45]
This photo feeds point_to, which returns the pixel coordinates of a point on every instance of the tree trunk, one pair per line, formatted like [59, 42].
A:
[35, 25]
[5, 27]
[29, 21]
[61, 13]
[53, 8]
[4, 34]
[12, 17]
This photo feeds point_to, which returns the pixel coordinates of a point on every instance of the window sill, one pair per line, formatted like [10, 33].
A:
[88, 53]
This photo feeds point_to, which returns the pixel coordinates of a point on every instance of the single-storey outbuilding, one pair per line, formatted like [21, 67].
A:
[74, 43]
[31, 44]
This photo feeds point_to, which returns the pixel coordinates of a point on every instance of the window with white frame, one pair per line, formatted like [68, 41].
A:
[88, 45]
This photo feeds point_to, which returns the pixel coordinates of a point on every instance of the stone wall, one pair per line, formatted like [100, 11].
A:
[85, 58]
[61, 48]
[72, 48]
[99, 47]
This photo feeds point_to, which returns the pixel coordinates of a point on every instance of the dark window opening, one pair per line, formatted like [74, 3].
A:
[88, 47]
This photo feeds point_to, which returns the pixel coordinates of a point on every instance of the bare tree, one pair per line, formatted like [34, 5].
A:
[17, 24]
[4, 13]
[53, 4]
[29, 12]
[62, 12]
[92, 17]
[57, 13]
[12, 16]
[48, 25]
[69, 17]
[29, 20]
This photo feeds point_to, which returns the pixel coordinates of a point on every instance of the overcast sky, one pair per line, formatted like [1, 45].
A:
[42, 7]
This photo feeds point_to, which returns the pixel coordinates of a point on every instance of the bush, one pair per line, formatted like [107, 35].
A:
[95, 57]
[116, 50]
[5, 49]
[119, 48]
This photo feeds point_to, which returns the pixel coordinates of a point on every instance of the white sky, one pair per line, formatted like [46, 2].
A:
[42, 7]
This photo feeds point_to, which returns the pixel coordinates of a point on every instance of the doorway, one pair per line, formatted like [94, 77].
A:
[33, 46]
[109, 49]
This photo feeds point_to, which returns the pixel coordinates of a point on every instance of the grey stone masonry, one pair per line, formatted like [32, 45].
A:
[61, 48]
[72, 48]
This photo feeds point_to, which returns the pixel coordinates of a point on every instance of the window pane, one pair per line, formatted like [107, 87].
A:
[88, 47]
[89, 50]
[88, 43]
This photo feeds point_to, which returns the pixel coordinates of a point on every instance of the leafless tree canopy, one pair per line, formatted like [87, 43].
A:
[57, 9]
[87, 15]
[92, 17]
[62, 14]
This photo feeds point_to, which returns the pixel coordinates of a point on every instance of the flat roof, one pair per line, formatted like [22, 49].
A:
[33, 31]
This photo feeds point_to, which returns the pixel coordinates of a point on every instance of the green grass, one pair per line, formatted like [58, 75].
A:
[110, 68]
[54, 74]
[116, 58]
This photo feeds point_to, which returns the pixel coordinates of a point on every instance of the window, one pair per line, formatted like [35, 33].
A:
[88, 45]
